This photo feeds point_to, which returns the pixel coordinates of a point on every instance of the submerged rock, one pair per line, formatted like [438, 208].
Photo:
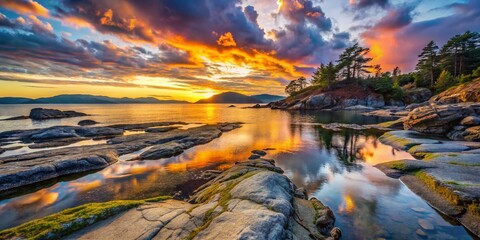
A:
[87, 122]
[44, 114]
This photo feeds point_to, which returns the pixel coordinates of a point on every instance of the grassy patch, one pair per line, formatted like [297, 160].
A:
[391, 139]
[398, 166]
[73, 219]
[465, 164]
[451, 182]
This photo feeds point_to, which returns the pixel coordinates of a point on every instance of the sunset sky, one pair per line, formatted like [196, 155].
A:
[191, 49]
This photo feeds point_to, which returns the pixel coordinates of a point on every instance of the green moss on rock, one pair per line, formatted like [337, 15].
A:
[70, 220]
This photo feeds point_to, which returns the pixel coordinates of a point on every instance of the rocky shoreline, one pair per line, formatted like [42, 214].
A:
[252, 200]
[26, 169]
[446, 176]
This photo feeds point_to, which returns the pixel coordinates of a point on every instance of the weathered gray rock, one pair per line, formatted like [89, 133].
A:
[44, 114]
[437, 148]
[319, 101]
[87, 122]
[20, 173]
[160, 129]
[417, 95]
[247, 201]
[405, 139]
[20, 170]
[165, 150]
[439, 119]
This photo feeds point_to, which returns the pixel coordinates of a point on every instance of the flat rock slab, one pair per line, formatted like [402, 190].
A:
[405, 139]
[252, 200]
[29, 168]
[437, 148]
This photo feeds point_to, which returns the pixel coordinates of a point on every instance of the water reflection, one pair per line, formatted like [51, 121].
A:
[335, 167]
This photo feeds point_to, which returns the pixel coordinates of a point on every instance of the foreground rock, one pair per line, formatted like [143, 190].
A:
[25, 169]
[448, 178]
[44, 114]
[440, 119]
[252, 200]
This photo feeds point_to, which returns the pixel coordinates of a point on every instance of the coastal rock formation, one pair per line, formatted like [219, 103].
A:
[467, 92]
[44, 114]
[417, 95]
[21, 170]
[448, 179]
[87, 122]
[252, 200]
[17, 172]
[439, 119]
[336, 97]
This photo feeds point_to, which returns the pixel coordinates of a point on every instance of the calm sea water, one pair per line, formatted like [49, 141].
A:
[335, 167]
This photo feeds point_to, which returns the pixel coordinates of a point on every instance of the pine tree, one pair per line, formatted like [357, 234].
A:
[427, 63]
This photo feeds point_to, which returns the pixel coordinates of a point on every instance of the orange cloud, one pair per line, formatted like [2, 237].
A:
[25, 7]
[226, 40]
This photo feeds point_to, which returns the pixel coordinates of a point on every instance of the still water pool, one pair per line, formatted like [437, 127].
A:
[335, 167]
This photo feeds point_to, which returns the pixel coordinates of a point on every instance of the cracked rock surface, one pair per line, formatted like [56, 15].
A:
[21, 170]
[252, 200]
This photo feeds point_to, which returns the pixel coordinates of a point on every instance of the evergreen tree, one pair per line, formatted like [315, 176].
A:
[427, 63]
[445, 81]
[461, 54]
[353, 61]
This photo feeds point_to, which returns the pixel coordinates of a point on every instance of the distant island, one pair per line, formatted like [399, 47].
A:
[227, 97]
[85, 99]
[233, 97]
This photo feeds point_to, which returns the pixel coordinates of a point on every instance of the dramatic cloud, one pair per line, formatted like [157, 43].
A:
[368, 3]
[204, 46]
[25, 7]
[396, 40]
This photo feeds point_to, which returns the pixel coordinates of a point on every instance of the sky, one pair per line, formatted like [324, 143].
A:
[192, 49]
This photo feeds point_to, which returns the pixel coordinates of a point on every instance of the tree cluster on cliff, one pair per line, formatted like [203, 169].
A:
[438, 68]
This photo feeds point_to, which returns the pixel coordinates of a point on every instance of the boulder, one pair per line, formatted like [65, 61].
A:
[376, 101]
[87, 122]
[163, 151]
[53, 133]
[470, 121]
[472, 134]
[44, 114]
[319, 101]
[467, 92]
[417, 95]
[259, 152]
[439, 119]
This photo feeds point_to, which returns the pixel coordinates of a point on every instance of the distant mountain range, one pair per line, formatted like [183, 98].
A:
[233, 97]
[83, 99]
[227, 97]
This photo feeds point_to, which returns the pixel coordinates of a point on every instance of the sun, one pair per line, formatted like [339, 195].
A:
[208, 93]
